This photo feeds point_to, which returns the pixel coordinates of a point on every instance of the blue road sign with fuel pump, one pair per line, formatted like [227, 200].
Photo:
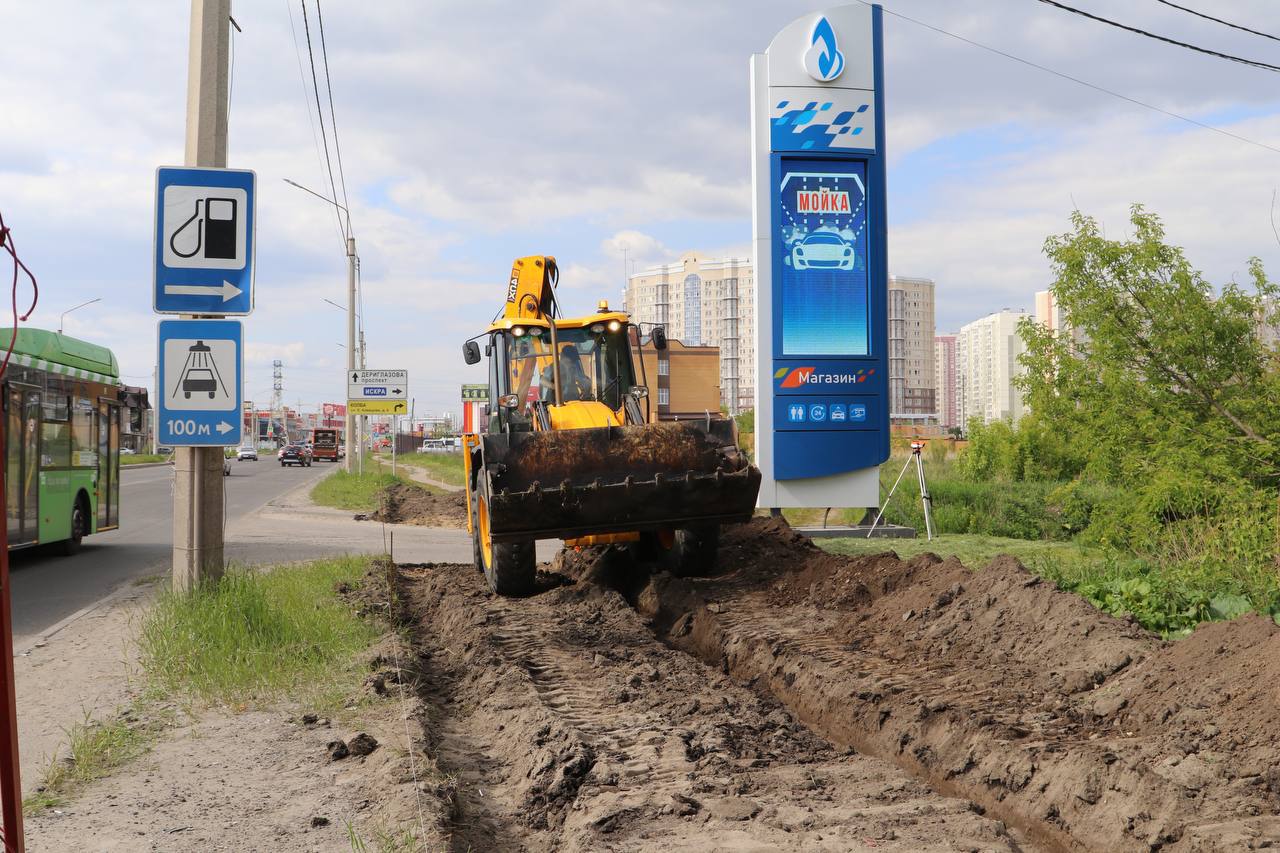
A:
[204, 244]
[201, 369]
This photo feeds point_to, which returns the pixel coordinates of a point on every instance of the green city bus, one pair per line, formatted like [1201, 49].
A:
[62, 410]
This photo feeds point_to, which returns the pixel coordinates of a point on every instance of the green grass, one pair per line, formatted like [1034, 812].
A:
[357, 492]
[445, 467]
[260, 636]
[140, 458]
[94, 749]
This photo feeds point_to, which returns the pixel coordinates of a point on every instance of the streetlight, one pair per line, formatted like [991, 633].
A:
[69, 310]
[351, 306]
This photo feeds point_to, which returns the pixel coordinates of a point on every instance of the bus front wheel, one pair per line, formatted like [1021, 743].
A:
[79, 527]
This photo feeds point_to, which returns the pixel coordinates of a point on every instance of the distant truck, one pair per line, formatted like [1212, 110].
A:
[324, 445]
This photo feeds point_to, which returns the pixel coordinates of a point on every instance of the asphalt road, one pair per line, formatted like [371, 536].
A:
[48, 588]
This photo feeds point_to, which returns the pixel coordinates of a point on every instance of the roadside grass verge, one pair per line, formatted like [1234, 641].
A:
[140, 458]
[94, 749]
[445, 467]
[1168, 599]
[357, 492]
[260, 636]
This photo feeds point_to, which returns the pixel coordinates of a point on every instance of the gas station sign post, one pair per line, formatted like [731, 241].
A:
[819, 237]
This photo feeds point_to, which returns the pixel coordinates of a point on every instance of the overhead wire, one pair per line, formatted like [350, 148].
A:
[1027, 62]
[315, 85]
[333, 120]
[1266, 66]
[1219, 20]
[302, 80]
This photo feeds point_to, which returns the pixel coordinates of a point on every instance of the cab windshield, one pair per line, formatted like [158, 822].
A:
[593, 365]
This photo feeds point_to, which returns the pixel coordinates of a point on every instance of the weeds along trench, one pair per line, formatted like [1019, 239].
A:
[807, 700]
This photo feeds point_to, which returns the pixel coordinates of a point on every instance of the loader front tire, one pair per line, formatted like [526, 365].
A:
[509, 567]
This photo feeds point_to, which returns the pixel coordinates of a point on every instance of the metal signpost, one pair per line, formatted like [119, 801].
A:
[819, 237]
[201, 368]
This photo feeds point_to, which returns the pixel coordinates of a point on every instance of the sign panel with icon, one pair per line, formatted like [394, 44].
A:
[204, 241]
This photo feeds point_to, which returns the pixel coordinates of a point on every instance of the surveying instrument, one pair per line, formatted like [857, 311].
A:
[925, 500]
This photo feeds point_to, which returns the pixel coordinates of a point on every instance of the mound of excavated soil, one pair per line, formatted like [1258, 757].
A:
[1080, 728]
[404, 504]
[568, 726]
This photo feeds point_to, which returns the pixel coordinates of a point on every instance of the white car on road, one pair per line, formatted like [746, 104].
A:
[247, 453]
[822, 250]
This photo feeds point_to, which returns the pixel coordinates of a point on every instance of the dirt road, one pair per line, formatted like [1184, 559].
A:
[570, 727]
[805, 701]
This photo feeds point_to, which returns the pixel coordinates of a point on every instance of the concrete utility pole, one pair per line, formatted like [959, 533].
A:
[197, 471]
[351, 344]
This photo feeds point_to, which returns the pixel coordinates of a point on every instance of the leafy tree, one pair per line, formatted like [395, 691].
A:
[1170, 375]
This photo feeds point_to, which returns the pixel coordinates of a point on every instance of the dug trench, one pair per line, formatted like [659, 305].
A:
[562, 723]
[1078, 729]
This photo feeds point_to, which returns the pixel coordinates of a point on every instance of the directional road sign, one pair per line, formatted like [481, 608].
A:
[204, 241]
[378, 407]
[201, 370]
[377, 385]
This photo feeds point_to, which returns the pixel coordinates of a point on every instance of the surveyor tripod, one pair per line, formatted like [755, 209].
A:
[925, 500]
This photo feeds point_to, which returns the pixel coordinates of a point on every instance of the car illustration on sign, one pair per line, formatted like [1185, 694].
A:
[822, 250]
[199, 379]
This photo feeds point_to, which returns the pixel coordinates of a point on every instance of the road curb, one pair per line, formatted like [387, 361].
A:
[144, 465]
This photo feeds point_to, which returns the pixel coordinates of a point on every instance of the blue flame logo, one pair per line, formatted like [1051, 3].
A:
[823, 60]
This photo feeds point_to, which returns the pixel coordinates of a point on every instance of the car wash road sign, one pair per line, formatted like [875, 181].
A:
[820, 254]
[204, 241]
[201, 369]
[377, 385]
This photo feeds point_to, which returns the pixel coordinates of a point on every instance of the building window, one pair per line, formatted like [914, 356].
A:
[664, 367]
[664, 396]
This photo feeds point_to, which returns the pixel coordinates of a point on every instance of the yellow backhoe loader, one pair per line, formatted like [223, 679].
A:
[570, 452]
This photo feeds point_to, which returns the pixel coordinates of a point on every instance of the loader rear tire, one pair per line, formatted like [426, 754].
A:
[693, 551]
[509, 567]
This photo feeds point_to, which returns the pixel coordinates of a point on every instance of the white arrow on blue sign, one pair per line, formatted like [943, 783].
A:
[204, 247]
[201, 365]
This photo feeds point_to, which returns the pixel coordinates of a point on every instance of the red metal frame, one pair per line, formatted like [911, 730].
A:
[10, 775]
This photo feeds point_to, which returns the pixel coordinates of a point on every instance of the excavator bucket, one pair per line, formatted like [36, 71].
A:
[569, 483]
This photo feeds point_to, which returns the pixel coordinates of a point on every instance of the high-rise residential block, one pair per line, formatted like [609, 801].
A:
[946, 381]
[912, 393]
[987, 353]
[704, 302]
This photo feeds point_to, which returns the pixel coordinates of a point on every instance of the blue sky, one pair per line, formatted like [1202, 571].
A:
[476, 132]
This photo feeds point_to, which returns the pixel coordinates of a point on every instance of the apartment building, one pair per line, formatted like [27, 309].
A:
[1051, 315]
[987, 353]
[704, 302]
[912, 390]
[946, 382]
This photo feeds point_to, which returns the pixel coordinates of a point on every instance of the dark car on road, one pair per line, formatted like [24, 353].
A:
[295, 454]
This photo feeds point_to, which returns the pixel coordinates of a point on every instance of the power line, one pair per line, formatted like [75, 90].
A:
[1267, 66]
[1219, 20]
[333, 118]
[306, 108]
[1080, 82]
[319, 110]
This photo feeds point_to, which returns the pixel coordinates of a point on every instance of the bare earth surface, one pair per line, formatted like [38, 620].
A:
[1078, 728]
[796, 701]
[570, 727]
